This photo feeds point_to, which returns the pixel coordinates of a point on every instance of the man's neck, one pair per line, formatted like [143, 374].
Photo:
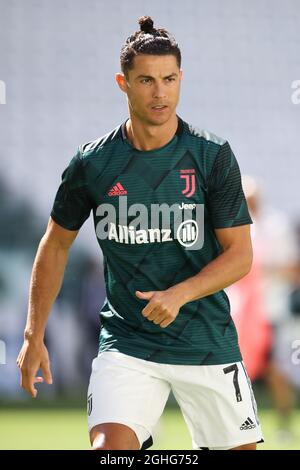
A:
[147, 137]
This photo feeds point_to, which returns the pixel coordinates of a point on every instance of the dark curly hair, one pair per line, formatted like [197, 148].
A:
[148, 40]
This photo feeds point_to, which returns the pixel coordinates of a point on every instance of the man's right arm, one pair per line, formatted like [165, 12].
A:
[46, 279]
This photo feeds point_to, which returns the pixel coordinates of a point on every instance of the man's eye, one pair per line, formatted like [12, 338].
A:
[171, 79]
[146, 80]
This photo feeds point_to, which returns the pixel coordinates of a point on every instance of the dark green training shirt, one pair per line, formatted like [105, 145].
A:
[196, 174]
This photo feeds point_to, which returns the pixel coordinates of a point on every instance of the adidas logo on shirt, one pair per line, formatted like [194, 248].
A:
[248, 424]
[117, 190]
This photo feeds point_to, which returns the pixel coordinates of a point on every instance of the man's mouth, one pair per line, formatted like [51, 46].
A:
[159, 107]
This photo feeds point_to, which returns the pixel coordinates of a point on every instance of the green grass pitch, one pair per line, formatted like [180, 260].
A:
[67, 429]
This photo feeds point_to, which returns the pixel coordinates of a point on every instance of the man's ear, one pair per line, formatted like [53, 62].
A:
[121, 81]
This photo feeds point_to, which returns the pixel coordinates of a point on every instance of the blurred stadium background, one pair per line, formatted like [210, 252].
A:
[57, 61]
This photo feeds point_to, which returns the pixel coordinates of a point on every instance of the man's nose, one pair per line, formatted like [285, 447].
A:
[159, 91]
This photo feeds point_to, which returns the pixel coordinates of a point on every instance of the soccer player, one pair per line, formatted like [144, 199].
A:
[172, 222]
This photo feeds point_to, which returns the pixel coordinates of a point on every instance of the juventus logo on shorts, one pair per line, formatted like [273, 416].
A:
[89, 404]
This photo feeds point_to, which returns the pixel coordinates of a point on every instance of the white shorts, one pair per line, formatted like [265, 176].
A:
[216, 401]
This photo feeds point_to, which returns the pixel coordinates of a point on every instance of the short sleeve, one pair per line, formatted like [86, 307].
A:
[72, 205]
[226, 200]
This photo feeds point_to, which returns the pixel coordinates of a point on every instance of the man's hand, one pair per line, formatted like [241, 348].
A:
[46, 279]
[32, 357]
[163, 306]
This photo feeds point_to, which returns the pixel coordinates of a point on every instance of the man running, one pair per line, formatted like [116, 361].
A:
[171, 219]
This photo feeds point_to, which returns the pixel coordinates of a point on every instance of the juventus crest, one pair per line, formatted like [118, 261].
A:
[190, 182]
[89, 404]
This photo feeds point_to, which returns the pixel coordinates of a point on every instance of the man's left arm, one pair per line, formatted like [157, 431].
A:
[231, 265]
[230, 218]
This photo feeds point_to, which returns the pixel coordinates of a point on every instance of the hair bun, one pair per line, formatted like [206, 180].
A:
[146, 24]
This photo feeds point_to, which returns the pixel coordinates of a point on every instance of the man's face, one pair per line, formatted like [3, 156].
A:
[152, 87]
